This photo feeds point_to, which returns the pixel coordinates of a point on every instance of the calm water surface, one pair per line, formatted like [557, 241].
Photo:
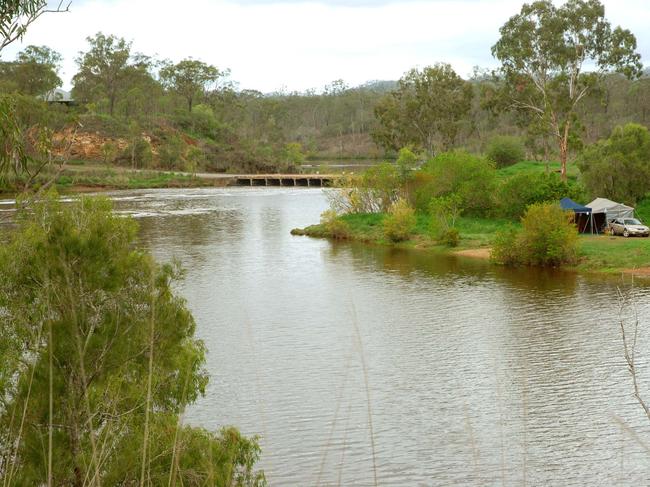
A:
[466, 374]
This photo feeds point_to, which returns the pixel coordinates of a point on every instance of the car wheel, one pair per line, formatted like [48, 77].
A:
[626, 233]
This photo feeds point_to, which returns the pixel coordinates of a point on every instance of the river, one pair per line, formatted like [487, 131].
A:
[353, 362]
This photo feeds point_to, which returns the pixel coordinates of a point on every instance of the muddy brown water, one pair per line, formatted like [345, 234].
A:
[471, 374]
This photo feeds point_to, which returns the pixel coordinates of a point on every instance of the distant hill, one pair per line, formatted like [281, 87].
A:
[379, 86]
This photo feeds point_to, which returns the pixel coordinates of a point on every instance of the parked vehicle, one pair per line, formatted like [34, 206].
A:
[628, 227]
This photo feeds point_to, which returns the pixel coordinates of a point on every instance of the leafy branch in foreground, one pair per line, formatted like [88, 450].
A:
[100, 360]
[17, 15]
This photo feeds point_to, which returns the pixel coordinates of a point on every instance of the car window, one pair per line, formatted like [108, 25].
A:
[632, 221]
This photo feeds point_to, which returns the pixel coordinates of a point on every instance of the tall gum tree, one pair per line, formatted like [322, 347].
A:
[428, 108]
[190, 78]
[552, 57]
[103, 69]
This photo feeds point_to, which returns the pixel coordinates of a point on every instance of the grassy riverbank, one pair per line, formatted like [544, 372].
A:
[78, 177]
[599, 253]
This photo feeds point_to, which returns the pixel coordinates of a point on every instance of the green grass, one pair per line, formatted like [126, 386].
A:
[612, 254]
[597, 253]
[368, 227]
[537, 167]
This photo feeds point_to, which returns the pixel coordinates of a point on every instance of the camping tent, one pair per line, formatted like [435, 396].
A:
[582, 215]
[604, 211]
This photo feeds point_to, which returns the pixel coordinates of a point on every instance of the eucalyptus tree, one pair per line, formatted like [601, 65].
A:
[428, 109]
[17, 15]
[190, 78]
[552, 57]
[103, 69]
[36, 70]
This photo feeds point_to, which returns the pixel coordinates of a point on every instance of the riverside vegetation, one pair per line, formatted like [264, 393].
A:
[457, 201]
[134, 111]
[99, 355]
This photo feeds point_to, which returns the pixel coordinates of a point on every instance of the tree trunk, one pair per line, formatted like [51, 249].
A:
[564, 150]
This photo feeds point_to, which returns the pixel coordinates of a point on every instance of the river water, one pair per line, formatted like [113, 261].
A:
[355, 362]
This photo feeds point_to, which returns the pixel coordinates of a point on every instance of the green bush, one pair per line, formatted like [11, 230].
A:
[522, 190]
[547, 238]
[171, 152]
[334, 226]
[470, 177]
[444, 211]
[505, 151]
[400, 222]
[137, 154]
[450, 237]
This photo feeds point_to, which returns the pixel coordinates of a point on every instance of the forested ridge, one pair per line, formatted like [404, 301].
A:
[147, 113]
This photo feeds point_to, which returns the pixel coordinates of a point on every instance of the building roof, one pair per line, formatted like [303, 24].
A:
[59, 95]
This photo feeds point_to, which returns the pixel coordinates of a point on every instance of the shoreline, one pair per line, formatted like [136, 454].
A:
[596, 263]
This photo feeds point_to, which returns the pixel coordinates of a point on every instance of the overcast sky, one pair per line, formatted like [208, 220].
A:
[295, 44]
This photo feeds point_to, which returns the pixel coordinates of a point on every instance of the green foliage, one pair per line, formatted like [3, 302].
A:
[334, 226]
[35, 71]
[103, 70]
[520, 191]
[400, 222]
[372, 192]
[406, 162]
[505, 151]
[445, 211]
[619, 167]
[17, 15]
[94, 321]
[427, 110]
[472, 178]
[190, 78]
[543, 51]
[138, 153]
[450, 237]
[171, 152]
[293, 154]
[109, 152]
[547, 238]
[642, 209]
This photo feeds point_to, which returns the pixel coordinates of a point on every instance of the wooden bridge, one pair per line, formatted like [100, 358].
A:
[309, 180]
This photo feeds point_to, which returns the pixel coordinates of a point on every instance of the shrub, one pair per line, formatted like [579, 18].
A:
[504, 247]
[138, 153]
[334, 226]
[171, 152]
[505, 151]
[450, 237]
[400, 221]
[293, 154]
[472, 178]
[373, 192]
[522, 190]
[547, 238]
[444, 211]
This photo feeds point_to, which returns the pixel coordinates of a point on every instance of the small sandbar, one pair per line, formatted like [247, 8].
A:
[483, 253]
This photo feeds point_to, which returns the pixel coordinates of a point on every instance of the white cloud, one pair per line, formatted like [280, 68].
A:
[302, 44]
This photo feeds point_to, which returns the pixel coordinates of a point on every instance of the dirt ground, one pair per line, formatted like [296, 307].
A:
[475, 253]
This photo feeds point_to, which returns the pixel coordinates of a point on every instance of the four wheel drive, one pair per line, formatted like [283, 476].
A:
[628, 227]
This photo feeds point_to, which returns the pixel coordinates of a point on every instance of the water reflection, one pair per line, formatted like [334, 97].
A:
[478, 375]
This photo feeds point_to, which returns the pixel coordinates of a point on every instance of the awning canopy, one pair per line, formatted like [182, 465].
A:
[569, 204]
[611, 209]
